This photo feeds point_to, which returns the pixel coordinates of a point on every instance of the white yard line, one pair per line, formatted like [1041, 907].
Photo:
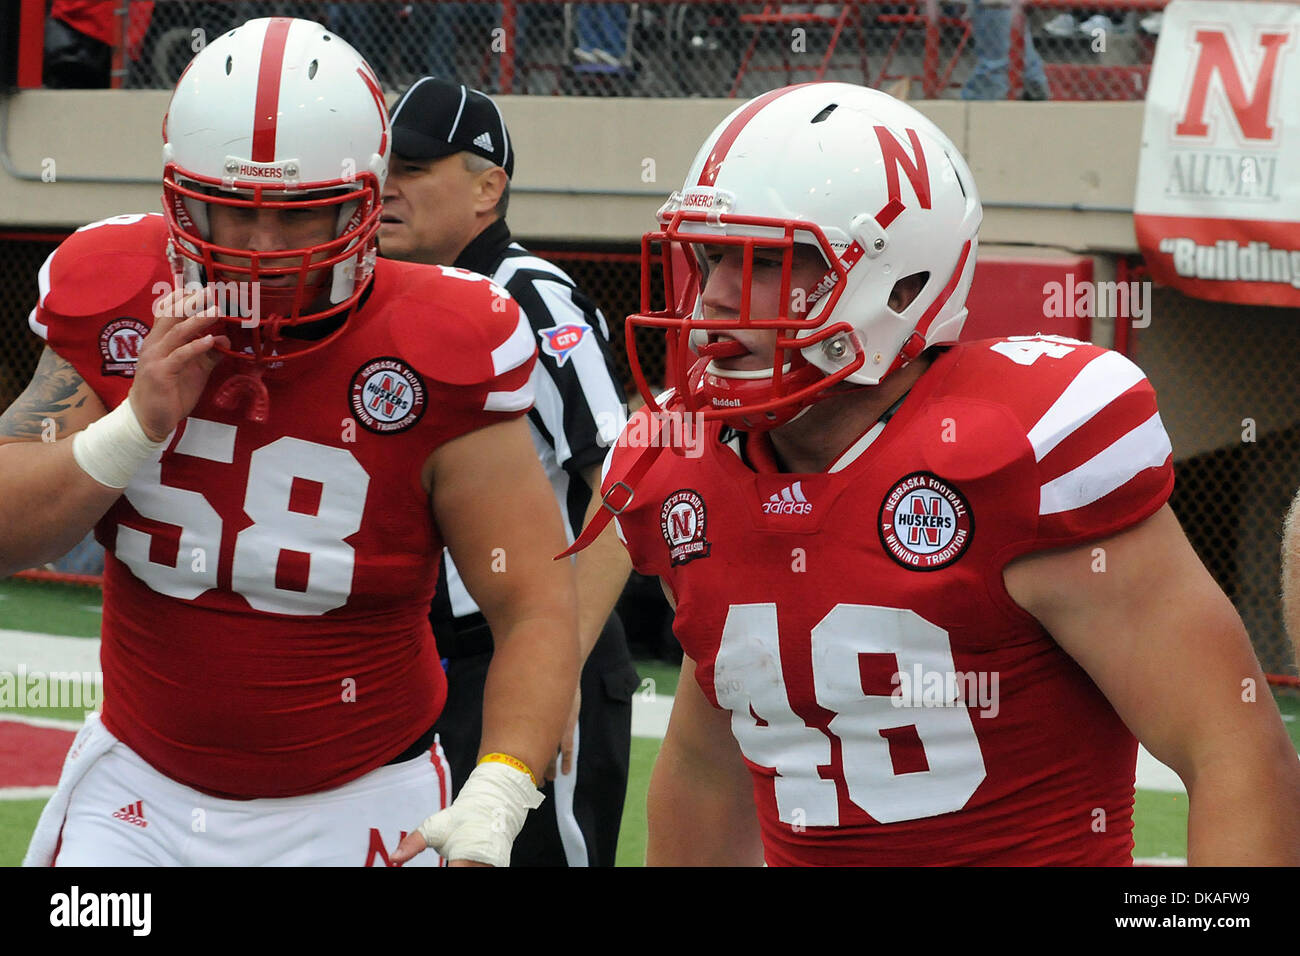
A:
[26, 793]
[48, 723]
[650, 715]
[46, 652]
[1153, 775]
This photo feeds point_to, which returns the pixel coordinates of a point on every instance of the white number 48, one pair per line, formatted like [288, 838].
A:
[1028, 349]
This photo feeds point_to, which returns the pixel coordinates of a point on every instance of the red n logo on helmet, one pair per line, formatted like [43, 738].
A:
[896, 158]
[1216, 57]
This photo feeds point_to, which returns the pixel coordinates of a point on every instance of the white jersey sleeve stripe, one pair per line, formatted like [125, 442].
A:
[39, 328]
[1146, 446]
[516, 401]
[1098, 384]
[514, 351]
[43, 286]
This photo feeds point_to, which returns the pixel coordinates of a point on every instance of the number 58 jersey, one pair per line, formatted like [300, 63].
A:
[266, 595]
[893, 704]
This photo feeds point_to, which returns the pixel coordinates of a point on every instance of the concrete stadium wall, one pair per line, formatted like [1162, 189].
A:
[595, 170]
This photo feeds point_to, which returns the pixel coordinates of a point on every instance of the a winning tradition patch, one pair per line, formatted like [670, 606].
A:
[925, 523]
[387, 396]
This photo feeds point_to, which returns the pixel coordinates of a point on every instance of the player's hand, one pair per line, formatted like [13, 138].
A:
[176, 358]
[565, 756]
[481, 825]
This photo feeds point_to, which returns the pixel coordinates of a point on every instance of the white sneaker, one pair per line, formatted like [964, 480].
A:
[1062, 25]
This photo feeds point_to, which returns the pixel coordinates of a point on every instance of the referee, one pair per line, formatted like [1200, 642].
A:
[445, 203]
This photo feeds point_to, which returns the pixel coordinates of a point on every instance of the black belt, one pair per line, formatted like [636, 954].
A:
[417, 749]
[466, 636]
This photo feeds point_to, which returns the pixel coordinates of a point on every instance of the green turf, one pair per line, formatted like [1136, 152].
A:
[631, 836]
[75, 714]
[49, 608]
[660, 675]
[17, 823]
[1288, 702]
[1160, 825]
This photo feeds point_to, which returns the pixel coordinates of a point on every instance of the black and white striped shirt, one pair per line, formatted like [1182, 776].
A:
[579, 409]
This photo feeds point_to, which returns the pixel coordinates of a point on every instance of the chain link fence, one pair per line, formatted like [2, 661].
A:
[925, 48]
[1224, 375]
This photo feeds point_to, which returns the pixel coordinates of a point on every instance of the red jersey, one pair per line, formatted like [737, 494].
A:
[893, 704]
[266, 594]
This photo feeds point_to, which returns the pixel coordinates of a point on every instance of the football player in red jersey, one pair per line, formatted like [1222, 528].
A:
[274, 474]
[929, 593]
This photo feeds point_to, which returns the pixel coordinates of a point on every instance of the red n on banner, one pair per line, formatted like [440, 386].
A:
[1216, 57]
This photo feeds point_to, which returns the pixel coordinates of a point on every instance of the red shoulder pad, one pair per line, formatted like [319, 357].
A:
[103, 266]
[459, 327]
[97, 291]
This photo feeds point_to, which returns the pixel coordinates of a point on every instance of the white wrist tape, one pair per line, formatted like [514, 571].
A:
[481, 825]
[112, 449]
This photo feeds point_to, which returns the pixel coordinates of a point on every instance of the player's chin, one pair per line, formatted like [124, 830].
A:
[750, 362]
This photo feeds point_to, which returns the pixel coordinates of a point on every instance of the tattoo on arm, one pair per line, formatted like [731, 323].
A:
[55, 393]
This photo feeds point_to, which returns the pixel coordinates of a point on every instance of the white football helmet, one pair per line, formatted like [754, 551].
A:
[278, 114]
[866, 180]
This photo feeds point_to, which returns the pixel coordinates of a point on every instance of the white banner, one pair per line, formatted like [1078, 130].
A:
[1217, 211]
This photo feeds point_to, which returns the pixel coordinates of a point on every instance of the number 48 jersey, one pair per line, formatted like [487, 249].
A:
[893, 704]
[267, 588]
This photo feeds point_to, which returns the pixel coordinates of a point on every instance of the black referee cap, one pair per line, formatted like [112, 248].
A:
[437, 118]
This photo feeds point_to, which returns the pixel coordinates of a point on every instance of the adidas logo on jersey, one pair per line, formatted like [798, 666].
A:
[483, 141]
[789, 500]
[132, 813]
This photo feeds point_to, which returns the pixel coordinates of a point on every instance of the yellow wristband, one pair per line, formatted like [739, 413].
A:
[509, 761]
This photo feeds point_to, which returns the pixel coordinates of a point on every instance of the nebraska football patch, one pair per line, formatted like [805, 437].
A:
[387, 396]
[925, 523]
[119, 346]
[682, 519]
